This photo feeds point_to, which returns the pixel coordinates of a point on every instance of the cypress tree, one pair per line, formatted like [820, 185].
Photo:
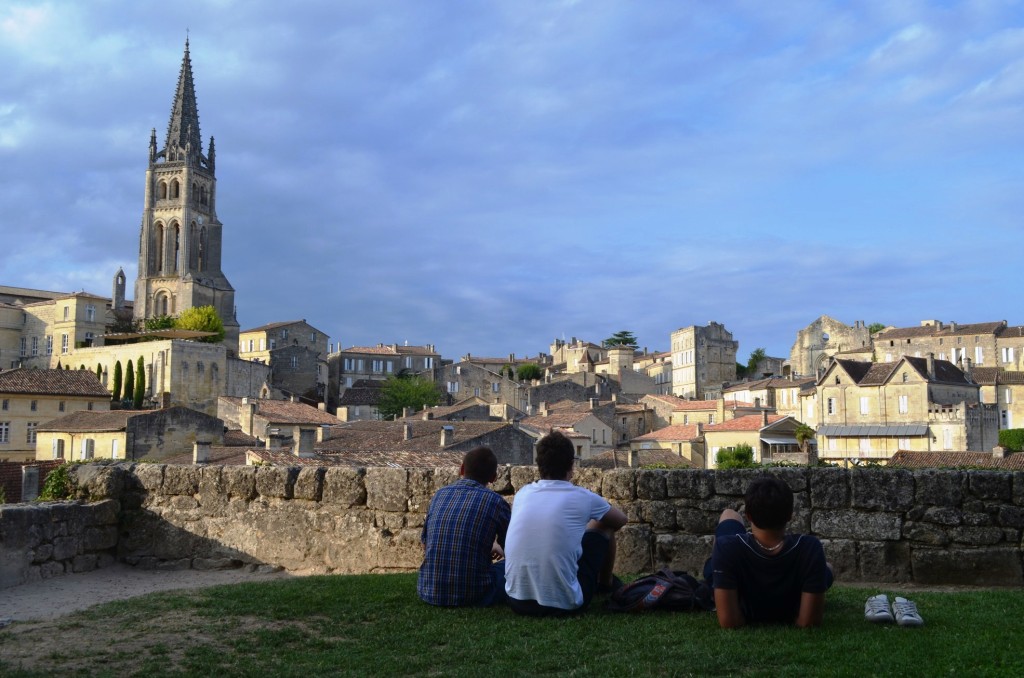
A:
[99, 371]
[140, 384]
[129, 381]
[116, 393]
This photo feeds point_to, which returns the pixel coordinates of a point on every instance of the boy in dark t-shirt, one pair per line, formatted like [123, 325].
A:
[766, 575]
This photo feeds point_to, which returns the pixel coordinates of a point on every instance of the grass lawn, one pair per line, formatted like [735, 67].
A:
[373, 625]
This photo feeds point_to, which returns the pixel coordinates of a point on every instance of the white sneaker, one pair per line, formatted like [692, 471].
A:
[906, 612]
[876, 609]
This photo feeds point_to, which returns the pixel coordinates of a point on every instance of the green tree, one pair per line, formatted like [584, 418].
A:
[203, 319]
[140, 385]
[1012, 439]
[129, 381]
[875, 328]
[160, 322]
[741, 456]
[621, 338]
[116, 393]
[756, 356]
[414, 391]
[99, 371]
[804, 434]
[529, 372]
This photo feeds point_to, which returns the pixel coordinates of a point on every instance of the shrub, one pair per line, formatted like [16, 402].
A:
[529, 372]
[1012, 439]
[57, 485]
[741, 456]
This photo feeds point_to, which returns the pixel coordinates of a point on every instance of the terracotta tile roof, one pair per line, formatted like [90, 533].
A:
[364, 459]
[692, 405]
[220, 455]
[626, 408]
[373, 350]
[361, 395]
[991, 376]
[907, 459]
[286, 412]
[855, 368]
[604, 460]
[236, 438]
[678, 432]
[934, 331]
[417, 350]
[1011, 331]
[273, 326]
[388, 436]
[750, 422]
[441, 411]
[555, 420]
[81, 383]
[88, 420]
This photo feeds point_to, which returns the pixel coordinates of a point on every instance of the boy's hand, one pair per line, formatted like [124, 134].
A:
[497, 553]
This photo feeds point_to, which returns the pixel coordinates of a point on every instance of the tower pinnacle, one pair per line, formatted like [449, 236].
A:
[183, 129]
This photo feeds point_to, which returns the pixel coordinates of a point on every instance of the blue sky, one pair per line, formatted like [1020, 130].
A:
[489, 176]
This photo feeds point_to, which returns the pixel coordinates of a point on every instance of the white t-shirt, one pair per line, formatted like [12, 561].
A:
[544, 538]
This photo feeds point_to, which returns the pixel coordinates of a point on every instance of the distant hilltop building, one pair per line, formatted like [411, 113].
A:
[181, 238]
[703, 359]
[823, 339]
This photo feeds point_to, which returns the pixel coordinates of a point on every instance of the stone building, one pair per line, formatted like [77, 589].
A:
[181, 237]
[988, 344]
[703, 359]
[150, 435]
[1004, 389]
[260, 417]
[772, 437]
[258, 342]
[684, 440]
[467, 379]
[347, 366]
[868, 411]
[780, 395]
[820, 341]
[29, 398]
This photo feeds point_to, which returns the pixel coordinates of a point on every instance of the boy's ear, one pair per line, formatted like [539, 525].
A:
[462, 470]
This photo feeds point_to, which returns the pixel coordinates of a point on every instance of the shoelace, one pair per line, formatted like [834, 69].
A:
[878, 606]
[905, 608]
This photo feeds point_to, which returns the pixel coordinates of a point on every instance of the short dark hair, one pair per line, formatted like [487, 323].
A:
[480, 465]
[769, 503]
[555, 456]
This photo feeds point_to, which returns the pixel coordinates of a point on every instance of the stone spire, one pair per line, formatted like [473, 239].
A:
[183, 129]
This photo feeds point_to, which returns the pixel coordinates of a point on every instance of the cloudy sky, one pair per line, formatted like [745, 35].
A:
[487, 176]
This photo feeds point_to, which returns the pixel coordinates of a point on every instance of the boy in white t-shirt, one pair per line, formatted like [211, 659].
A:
[560, 547]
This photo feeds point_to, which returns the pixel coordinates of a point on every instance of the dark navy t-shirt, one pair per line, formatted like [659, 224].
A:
[769, 586]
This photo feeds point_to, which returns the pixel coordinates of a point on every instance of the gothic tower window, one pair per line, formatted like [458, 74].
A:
[162, 191]
[192, 249]
[177, 246]
[159, 248]
[195, 191]
[175, 189]
[202, 195]
[202, 249]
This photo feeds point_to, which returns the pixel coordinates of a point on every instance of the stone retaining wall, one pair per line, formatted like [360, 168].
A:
[878, 525]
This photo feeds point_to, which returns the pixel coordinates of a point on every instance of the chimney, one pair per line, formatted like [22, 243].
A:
[615, 397]
[302, 445]
[998, 452]
[275, 441]
[594, 403]
[322, 406]
[201, 452]
[447, 435]
[406, 412]
[764, 418]
[757, 402]
[323, 433]
[952, 327]
[542, 408]
[967, 369]
[427, 415]
[700, 428]
[931, 365]
[406, 432]
[292, 398]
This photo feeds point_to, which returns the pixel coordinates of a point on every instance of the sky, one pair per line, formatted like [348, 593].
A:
[489, 176]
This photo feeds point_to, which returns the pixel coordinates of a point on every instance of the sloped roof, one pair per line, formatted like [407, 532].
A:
[82, 383]
[678, 432]
[286, 412]
[388, 436]
[220, 455]
[990, 376]
[907, 459]
[273, 326]
[1012, 331]
[89, 420]
[448, 410]
[749, 422]
[364, 458]
[237, 438]
[556, 420]
[355, 396]
[605, 460]
[373, 350]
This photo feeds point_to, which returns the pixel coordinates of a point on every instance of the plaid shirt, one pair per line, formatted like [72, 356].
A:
[462, 522]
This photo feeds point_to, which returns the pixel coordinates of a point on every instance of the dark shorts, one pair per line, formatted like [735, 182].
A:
[588, 570]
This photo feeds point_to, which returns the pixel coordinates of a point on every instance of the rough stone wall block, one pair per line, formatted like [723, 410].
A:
[240, 482]
[309, 484]
[939, 488]
[991, 485]
[830, 489]
[345, 486]
[691, 484]
[619, 484]
[650, 484]
[850, 524]
[967, 567]
[883, 489]
[275, 482]
[387, 489]
[181, 480]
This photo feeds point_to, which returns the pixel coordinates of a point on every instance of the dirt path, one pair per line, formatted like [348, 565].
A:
[53, 598]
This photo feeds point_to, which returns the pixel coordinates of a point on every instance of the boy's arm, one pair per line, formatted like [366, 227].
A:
[812, 609]
[727, 606]
[613, 520]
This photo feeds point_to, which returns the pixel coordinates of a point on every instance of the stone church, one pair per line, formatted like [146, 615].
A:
[180, 239]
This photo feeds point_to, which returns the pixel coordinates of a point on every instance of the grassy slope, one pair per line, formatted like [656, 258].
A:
[374, 625]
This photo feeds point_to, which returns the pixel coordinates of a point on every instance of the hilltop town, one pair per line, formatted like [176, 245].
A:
[87, 376]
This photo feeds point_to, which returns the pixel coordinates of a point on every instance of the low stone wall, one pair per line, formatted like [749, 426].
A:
[43, 540]
[878, 525]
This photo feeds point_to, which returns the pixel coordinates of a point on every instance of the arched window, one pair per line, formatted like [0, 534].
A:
[177, 245]
[202, 195]
[201, 264]
[159, 248]
[162, 190]
[175, 189]
[193, 249]
[195, 191]
[200, 369]
[184, 370]
[215, 372]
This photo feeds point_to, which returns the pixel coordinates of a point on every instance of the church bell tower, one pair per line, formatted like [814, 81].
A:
[180, 239]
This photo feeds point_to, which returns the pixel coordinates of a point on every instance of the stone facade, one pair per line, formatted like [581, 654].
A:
[703, 359]
[820, 341]
[925, 527]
